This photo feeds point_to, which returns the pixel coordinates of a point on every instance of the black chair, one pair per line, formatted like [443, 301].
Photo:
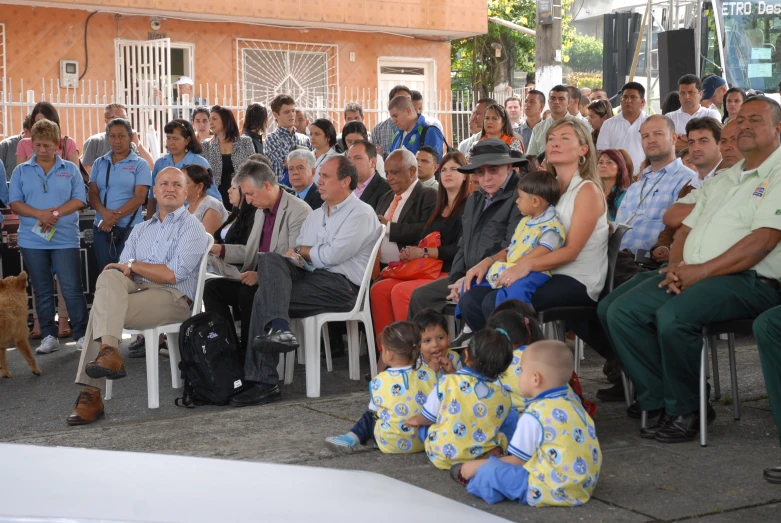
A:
[556, 315]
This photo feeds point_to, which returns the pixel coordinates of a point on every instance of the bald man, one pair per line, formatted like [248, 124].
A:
[161, 258]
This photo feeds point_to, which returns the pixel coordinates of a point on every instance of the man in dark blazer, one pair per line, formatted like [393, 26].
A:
[371, 186]
[406, 209]
[301, 170]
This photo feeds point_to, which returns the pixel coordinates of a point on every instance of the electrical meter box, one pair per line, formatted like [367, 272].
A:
[69, 74]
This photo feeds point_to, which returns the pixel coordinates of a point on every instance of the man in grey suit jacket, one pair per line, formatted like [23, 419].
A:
[278, 220]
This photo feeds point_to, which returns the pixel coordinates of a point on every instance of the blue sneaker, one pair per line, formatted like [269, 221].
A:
[343, 444]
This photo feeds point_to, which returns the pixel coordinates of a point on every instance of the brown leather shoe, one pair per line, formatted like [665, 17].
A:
[107, 365]
[88, 408]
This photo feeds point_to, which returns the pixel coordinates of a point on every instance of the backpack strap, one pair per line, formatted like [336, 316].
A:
[448, 148]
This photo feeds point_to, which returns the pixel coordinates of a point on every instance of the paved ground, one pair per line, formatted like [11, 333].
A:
[640, 481]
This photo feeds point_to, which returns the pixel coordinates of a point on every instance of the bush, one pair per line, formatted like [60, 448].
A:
[584, 54]
[590, 80]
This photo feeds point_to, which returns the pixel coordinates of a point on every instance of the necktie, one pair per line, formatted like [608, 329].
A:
[392, 210]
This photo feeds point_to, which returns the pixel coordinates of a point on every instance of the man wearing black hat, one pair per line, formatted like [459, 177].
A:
[489, 221]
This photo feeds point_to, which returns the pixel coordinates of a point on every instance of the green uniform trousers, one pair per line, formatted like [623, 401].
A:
[658, 336]
[767, 331]
[607, 301]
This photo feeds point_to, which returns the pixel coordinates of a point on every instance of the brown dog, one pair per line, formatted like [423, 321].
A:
[13, 322]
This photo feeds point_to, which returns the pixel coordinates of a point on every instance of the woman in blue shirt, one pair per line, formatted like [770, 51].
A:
[183, 149]
[118, 186]
[47, 192]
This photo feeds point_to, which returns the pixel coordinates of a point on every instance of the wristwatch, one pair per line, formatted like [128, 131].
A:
[297, 250]
[425, 252]
[130, 264]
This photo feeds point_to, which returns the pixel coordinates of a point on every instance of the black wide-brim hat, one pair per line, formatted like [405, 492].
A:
[492, 151]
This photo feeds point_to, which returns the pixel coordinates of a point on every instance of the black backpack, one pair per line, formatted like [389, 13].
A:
[212, 367]
[448, 148]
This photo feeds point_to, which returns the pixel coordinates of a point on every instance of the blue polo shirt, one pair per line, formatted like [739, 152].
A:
[189, 159]
[411, 141]
[40, 190]
[126, 175]
[3, 191]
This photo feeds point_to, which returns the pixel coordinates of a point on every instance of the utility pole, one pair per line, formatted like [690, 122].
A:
[547, 48]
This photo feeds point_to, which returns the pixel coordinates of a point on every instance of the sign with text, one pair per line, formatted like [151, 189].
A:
[545, 12]
[156, 36]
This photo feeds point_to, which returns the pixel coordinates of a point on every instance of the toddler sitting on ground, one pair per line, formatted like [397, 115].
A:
[435, 358]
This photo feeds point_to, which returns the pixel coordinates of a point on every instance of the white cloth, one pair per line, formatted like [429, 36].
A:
[320, 161]
[590, 267]
[697, 182]
[389, 251]
[680, 119]
[618, 133]
[467, 144]
[433, 122]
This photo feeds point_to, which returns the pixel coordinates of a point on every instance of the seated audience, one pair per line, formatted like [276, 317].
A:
[166, 272]
[428, 159]
[227, 149]
[236, 229]
[390, 297]
[255, 123]
[355, 131]
[370, 185]
[322, 135]
[98, 144]
[47, 193]
[276, 226]
[336, 241]
[623, 130]
[284, 138]
[615, 178]
[66, 147]
[406, 208]
[301, 166]
[724, 265]
[646, 200]
[118, 185]
[209, 210]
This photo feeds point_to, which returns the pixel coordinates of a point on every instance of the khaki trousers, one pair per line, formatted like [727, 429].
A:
[122, 303]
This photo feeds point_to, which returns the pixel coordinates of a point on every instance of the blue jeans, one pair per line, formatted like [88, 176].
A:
[39, 263]
[477, 304]
[105, 252]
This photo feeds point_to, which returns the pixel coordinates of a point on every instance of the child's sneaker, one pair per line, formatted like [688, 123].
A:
[343, 444]
[455, 473]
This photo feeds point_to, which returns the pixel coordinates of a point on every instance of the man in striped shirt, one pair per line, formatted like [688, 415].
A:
[161, 258]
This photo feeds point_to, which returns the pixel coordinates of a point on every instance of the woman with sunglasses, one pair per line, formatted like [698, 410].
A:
[47, 192]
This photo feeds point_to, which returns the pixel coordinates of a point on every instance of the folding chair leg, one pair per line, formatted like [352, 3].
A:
[281, 366]
[329, 364]
[715, 362]
[109, 389]
[578, 354]
[290, 363]
[629, 390]
[353, 350]
[312, 335]
[173, 355]
[152, 368]
[451, 326]
[733, 372]
[703, 395]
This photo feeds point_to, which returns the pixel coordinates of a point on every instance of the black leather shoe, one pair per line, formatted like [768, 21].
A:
[683, 428]
[612, 394]
[137, 349]
[773, 475]
[275, 341]
[650, 432]
[258, 394]
[462, 340]
[634, 411]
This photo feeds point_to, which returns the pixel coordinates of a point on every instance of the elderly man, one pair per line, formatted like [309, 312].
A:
[413, 131]
[406, 208]
[278, 220]
[475, 125]
[161, 258]
[690, 93]
[322, 273]
[725, 264]
[558, 100]
[646, 200]
[301, 167]
[97, 145]
[489, 221]
[371, 186]
[8, 148]
[623, 130]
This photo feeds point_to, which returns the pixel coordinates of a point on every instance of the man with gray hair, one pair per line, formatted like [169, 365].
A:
[322, 273]
[301, 170]
[406, 208]
[277, 223]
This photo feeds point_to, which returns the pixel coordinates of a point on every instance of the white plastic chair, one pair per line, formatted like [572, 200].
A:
[171, 331]
[311, 327]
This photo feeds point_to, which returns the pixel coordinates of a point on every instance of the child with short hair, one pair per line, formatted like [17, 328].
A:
[523, 330]
[554, 455]
[396, 393]
[466, 409]
[435, 340]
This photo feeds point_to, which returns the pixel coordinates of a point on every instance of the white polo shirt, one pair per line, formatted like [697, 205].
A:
[618, 133]
[680, 119]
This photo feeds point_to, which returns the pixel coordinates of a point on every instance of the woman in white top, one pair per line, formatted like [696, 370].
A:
[322, 135]
[208, 209]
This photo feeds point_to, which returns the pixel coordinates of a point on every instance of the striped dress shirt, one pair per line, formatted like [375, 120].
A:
[178, 242]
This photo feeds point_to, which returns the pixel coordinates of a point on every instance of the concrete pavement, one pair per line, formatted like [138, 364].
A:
[641, 480]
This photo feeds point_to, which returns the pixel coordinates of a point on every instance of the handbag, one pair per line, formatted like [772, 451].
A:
[420, 269]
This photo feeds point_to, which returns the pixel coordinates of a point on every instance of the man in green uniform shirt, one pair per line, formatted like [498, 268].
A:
[725, 263]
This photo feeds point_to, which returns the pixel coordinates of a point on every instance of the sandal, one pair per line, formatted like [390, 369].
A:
[36, 335]
[455, 473]
[65, 333]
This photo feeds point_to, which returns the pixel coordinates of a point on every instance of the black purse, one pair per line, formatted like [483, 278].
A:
[117, 233]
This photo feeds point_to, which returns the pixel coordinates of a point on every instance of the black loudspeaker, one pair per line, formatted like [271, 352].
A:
[676, 58]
